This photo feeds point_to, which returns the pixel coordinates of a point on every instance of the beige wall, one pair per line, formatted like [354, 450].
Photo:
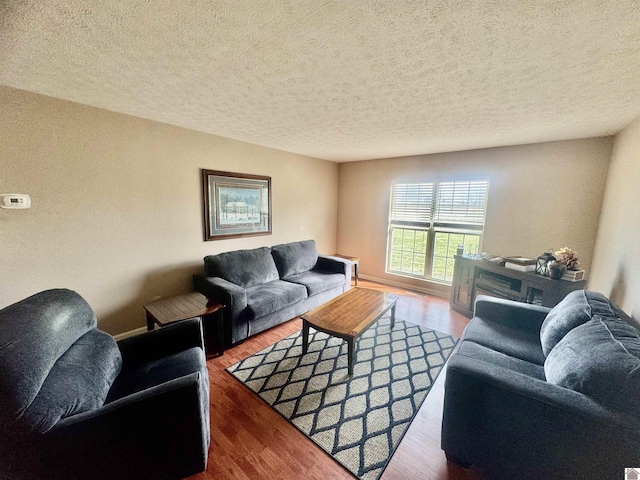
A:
[541, 196]
[116, 203]
[616, 265]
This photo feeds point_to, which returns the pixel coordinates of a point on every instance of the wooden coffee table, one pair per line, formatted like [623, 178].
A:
[348, 316]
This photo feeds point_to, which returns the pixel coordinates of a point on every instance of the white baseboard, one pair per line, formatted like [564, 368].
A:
[130, 333]
[407, 286]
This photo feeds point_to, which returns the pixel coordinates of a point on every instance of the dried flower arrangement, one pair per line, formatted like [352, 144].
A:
[568, 257]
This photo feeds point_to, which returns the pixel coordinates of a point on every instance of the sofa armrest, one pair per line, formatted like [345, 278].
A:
[530, 389]
[328, 263]
[231, 295]
[510, 313]
[159, 343]
[333, 264]
[163, 431]
[508, 423]
[221, 291]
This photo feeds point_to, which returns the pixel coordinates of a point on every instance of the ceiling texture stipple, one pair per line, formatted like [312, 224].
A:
[334, 79]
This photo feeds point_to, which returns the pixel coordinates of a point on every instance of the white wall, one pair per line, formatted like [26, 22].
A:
[616, 265]
[117, 211]
[116, 203]
[541, 196]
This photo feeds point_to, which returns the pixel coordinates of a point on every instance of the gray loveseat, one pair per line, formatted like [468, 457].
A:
[536, 393]
[266, 286]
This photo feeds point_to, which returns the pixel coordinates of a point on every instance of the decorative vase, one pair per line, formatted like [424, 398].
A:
[556, 269]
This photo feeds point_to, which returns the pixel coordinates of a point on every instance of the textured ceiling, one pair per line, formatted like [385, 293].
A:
[339, 80]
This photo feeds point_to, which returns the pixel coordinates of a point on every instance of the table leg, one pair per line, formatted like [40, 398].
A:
[150, 321]
[351, 352]
[220, 332]
[213, 332]
[305, 336]
[355, 272]
[393, 316]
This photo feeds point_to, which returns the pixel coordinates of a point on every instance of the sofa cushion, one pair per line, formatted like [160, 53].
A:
[601, 359]
[317, 281]
[576, 308]
[244, 268]
[273, 296]
[518, 343]
[493, 357]
[294, 258]
[78, 382]
[157, 372]
[34, 334]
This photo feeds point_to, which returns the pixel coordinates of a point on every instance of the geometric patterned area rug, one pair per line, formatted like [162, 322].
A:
[359, 421]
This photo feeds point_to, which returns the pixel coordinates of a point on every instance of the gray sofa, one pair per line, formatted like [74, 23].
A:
[539, 393]
[266, 286]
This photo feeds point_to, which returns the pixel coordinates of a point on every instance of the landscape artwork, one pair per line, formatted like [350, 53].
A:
[238, 205]
[235, 204]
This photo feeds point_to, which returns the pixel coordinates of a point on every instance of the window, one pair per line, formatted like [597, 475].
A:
[427, 222]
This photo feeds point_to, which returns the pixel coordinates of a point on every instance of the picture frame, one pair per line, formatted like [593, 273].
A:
[235, 205]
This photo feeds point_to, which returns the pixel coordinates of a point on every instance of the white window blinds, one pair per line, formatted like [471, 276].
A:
[461, 202]
[412, 203]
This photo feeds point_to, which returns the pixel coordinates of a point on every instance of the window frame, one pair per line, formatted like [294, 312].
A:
[434, 225]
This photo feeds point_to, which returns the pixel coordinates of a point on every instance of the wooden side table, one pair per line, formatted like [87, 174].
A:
[173, 309]
[354, 260]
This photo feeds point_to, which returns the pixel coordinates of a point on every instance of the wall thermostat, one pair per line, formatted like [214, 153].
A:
[15, 200]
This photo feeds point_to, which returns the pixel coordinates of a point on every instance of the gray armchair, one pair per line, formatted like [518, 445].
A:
[76, 404]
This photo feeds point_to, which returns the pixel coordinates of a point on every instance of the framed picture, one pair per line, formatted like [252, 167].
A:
[235, 205]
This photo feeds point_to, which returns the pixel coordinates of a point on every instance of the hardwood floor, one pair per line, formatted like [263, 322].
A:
[251, 441]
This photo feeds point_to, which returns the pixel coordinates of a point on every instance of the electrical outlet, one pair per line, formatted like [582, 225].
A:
[157, 297]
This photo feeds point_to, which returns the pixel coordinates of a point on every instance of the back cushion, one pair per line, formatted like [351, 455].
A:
[245, 268]
[78, 382]
[601, 359]
[296, 257]
[34, 333]
[575, 309]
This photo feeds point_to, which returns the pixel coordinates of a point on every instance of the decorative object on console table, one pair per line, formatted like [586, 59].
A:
[573, 275]
[542, 263]
[556, 270]
[494, 260]
[522, 264]
[520, 268]
[566, 260]
[521, 260]
[568, 257]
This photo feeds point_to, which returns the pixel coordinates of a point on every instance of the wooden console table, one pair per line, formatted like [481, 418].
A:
[473, 277]
[173, 309]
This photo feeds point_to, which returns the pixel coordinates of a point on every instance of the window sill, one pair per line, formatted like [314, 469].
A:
[418, 277]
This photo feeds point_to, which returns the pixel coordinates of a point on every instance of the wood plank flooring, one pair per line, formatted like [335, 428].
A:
[250, 441]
